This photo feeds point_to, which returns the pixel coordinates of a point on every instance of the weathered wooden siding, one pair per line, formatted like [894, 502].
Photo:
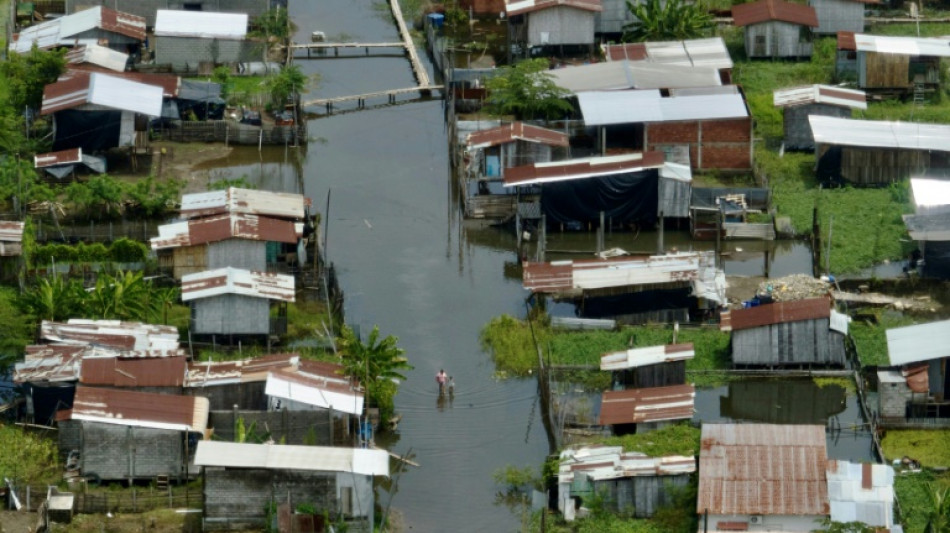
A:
[560, 25]
[838, 15]
[232, 314]
[776, 39]
[877, 166]
[188, 260]
[806, 342]
[238, 253]
[659, 375]
[674, 195]
[798, 134]
[877, 71]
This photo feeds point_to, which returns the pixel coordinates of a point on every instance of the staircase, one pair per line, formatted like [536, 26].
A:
[918, 93]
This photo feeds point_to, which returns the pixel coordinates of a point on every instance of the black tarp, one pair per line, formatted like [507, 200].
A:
[829, 166]
[623, 198]
[937, 259]
[92, 131]
[636, 302]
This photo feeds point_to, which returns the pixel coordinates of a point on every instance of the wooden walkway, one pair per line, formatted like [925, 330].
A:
[424, 87]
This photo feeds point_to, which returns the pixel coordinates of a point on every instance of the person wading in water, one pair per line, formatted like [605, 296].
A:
[441, 378]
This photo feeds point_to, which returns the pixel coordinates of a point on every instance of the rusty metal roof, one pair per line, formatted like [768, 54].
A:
[247, 201]
[211, 373]
[519, 7]
[229, 280]
[650, 355]
[116, 372]
[590, 167]
[322, 368]
[774, 10]
[580, 274]
[710, 52]
[49, 364]
[108, 90]
[516, 131]
[116, 334]
[169, 83]
[763, 469]
[222, 227]
[139, 409]
[603, 463]
[775, 313]
[846, 41]
[820, 94]
[62, 157]
[315, 391]
[654, 404]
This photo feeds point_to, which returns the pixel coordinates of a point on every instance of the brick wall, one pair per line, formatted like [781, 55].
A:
[725, 143]
[673, 133]
[242, 495]
[117, 452]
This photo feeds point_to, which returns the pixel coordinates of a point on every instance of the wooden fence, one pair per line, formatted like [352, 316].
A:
[139, 230]
[133, 500]
[230, 132]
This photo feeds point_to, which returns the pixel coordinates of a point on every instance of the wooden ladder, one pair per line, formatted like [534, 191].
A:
[161, 482]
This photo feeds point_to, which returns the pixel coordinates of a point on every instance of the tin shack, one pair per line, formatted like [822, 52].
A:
[840, 15]
[118, 30]
[792, 334]
[197, 41]
[929, 226]
[643, 410]
[776, 29]
[798, 103]
[913, 392]
[230, 302]
[891, 65]
[651, 366]
[552, 24]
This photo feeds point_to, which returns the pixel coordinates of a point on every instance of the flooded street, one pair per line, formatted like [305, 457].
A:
[407, 263]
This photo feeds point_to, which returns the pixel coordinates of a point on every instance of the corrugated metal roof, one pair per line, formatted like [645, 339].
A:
[203, 24]
[763, 469]
[246, 201]
[931, 195]
[367, 462]
[139, 409]
[62, 31]
[106, 90]
[820, 94]
[62, 157]
[236, 281]
[861, 493]
[923, 342]
[222, 227]
[603, 463]
[116, 372]
[211, 373]
[565, 276]
[880, 134]
[846, 41]
[911, 46]
[655, 404]
[61, 365]
[125, 336]
[588, 167]
[710, 52]
[516, 131]
[612, 75]
[315, 391]
[603, 108]
[650, 355]
[519, 7]
[775, 313]
[11, 231]
[774, 10]
[95, 54]
[928, 227]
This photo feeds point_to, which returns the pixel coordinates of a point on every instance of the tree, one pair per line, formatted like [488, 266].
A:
[101, 195]
[665, 20]
[377, 363]
[53, 298]
[291, 81]
[527, 91]
[272, 23]
[938, 514]
[125, 296]
[27, 74]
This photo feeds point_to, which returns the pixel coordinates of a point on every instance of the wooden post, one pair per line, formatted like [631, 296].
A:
[659, 241]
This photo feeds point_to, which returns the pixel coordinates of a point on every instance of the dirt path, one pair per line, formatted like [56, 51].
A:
[180, 160]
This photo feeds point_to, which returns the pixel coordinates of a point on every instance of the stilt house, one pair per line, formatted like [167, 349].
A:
[776, 29]
[536, 24]
[891, 65]
[914, 391]
[799, 103]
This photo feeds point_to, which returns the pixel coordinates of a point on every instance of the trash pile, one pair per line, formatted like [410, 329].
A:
[794, 287]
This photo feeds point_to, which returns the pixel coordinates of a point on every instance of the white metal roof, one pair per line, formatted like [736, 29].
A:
[602, 463]
[249, 201]
[923, 342]
[931, 196]
[204, 24]
[820, 94]
[914, 46]
[880, 134]
[367, 462]
[603, 108]
[650, 355]
[120, 93]
[61, 31]
[128, 336]
[102, 56]
[237, 281]
[315, 392]
[852, 502]
[613, 75]
[929, 227]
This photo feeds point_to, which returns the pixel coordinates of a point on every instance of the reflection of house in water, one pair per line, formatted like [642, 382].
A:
[629, 483]
[791, 334]
[622, 280]
[728, 210]
[782, 402]
[930, 225]
[914, 390]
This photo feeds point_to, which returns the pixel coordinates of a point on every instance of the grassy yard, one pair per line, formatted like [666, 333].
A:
[870, 337]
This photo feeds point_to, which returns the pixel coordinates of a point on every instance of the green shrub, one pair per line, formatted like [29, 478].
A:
[128, 251]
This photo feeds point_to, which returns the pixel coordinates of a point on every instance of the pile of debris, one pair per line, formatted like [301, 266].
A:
[794, 287]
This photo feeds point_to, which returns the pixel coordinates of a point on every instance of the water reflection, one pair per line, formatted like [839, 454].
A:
[781, 402]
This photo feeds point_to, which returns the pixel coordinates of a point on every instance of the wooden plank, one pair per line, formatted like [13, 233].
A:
[422, 75]
[365, 96]
[317, 46]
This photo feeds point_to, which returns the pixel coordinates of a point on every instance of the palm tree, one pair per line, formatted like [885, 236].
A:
[125, 296]
[378, 362]
[54, 299]
[664, 20]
